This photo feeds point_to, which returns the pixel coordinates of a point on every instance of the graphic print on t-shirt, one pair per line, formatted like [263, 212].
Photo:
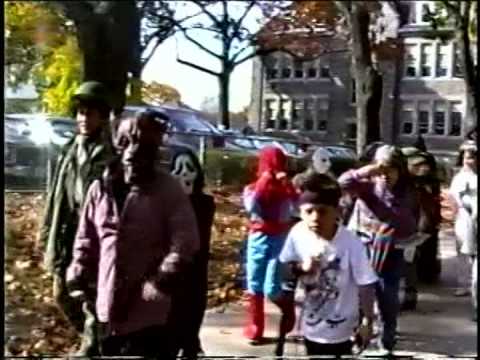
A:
[322, 293]
[468, 197]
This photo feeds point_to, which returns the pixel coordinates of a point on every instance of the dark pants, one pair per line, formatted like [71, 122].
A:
[337, 350]
[387, 290]
[188, 309]
[79, 313]
[152, 342]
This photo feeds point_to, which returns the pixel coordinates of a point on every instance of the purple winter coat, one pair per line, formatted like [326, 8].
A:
[120, 251]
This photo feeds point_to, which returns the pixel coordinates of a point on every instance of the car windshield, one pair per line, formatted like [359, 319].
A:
[187, 121]
[245, 143]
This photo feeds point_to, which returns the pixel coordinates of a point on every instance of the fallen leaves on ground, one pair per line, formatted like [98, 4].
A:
[34, 324]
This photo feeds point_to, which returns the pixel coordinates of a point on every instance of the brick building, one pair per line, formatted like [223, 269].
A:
[423, 91]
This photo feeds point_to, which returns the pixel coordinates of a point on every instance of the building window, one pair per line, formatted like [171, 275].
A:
[286, 73]
[425, 12]
[297, 109]
[312, 72]
[353, 95]
[426, 59]
[412, 13]
[269, 114]
[423, 117]
[407, 117]
[410, 60]
[352, 131]
[442, 60]
[439, 118]
[282, 115]
[455, 119]
[457, 67]
[298, 69]
[309, 114]
[325, 71]
[272, 73]
[322, 114]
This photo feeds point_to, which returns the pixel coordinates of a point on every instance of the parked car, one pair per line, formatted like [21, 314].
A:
[25, 159]
[186, 126]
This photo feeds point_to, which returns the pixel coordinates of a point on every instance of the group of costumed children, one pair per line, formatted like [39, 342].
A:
[296, 231]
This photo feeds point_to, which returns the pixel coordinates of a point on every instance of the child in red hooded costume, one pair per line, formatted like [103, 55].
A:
[269, 202]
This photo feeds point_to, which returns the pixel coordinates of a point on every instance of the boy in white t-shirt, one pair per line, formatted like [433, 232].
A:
[333, 267]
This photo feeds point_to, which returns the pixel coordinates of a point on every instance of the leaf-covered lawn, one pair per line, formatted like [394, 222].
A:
[35, 326]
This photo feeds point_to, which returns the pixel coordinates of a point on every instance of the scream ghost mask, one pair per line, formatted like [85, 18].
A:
[187, 170]
[321, 161]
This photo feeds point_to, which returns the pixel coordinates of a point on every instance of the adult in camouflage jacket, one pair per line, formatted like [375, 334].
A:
[82, 160]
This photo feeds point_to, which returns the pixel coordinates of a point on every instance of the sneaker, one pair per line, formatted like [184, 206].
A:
[461, 292]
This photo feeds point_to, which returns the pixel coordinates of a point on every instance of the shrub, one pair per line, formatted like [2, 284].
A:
[229, 167]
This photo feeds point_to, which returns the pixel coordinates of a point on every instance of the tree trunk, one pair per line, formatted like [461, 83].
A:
[369, 81]
[224, 100]
[224, 80]
[107, 38]
[469, 69]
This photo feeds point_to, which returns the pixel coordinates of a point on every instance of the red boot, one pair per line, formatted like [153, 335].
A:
[286, 303]
[256, 319]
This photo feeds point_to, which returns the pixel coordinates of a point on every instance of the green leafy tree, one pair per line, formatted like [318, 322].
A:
[41, 48]
[63, 74]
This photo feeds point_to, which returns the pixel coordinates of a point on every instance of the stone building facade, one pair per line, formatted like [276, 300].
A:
[423, 92]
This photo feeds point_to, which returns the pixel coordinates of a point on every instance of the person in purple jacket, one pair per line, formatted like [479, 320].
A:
[136, 233]
[384, 216]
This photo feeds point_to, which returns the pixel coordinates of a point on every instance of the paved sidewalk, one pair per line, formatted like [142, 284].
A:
[441, 326]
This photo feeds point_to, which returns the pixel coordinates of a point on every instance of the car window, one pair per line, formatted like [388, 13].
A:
[63, 127]
[186, 121]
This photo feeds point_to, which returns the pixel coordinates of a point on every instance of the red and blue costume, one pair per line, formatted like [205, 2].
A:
[269, 202]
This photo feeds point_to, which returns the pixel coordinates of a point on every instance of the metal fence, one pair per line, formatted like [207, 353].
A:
[30, 167]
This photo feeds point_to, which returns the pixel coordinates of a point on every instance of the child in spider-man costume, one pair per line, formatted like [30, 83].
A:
[269, 202]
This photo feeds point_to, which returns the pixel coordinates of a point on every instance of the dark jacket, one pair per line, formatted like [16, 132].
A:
[60, 220]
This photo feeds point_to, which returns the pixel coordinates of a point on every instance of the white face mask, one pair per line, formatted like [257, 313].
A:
[321, 161]
[184, 170]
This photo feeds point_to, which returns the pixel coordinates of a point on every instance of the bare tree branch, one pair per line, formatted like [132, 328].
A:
[208, 13]
[238, 53]
[189, 17]
[245, 58]
[239, 22]
[204, 48]
[198, 67]
[146, 59]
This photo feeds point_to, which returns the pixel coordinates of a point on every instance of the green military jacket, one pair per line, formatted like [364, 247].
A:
[57, 232]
